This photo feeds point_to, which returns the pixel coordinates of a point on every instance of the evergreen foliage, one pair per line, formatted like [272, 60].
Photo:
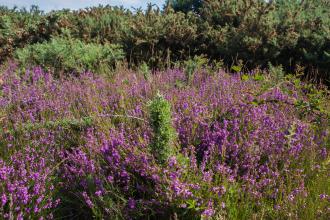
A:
[163, 131]
[185, 5]
[288, 33]
[70, 55]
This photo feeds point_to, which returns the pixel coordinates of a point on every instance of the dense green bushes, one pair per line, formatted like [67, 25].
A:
[284, 32]
[20, 28]
[291, 33]
[67, 55]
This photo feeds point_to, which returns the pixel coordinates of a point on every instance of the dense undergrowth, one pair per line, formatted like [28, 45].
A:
[290, 33]
[189, 112]
[168, 145]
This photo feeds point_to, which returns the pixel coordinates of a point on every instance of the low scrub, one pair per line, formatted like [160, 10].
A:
[227, 146]
[62, 55]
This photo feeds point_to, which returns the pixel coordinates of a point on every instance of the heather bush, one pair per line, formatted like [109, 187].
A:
[27, 185]
[245, 147]
[191, 142]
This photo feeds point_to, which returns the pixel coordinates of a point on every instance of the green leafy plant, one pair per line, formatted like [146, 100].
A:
[70, 55]
[162, 146]
[276, 72]
[145, 70]
[193, 65]
[287, 33]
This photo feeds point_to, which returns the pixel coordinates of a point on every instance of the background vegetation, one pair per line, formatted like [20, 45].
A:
[288, 33]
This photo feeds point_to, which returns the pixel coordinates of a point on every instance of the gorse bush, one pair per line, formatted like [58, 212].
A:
[96, 24]
[287, 33]
[158, 38]
[184, 5]
[258, 32]
[19, 28]
[70, 55]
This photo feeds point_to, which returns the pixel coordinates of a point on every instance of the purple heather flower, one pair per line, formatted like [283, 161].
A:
[183, 206]
[3, 199]
[87, 199]
[225, 138]
[208, 212]
[291, 197]
[98, 193]
[131, 203]
[323, 196]
[277, 207]
[223, 205]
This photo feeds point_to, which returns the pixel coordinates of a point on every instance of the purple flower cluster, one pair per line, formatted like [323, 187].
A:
[235, 139]
[26, 185]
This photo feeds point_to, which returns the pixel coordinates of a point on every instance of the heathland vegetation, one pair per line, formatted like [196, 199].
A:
[197, 110]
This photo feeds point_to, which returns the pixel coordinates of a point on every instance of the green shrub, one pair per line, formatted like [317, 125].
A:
[285, 32]
[70, 55]
[193, 65]
[103, 24]
[145, 70]
[185, 5]
[162, 146]
[21, 27]
[276, 72]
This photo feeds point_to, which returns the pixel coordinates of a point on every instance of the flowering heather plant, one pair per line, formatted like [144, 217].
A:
[27, 185]
[85, 147]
